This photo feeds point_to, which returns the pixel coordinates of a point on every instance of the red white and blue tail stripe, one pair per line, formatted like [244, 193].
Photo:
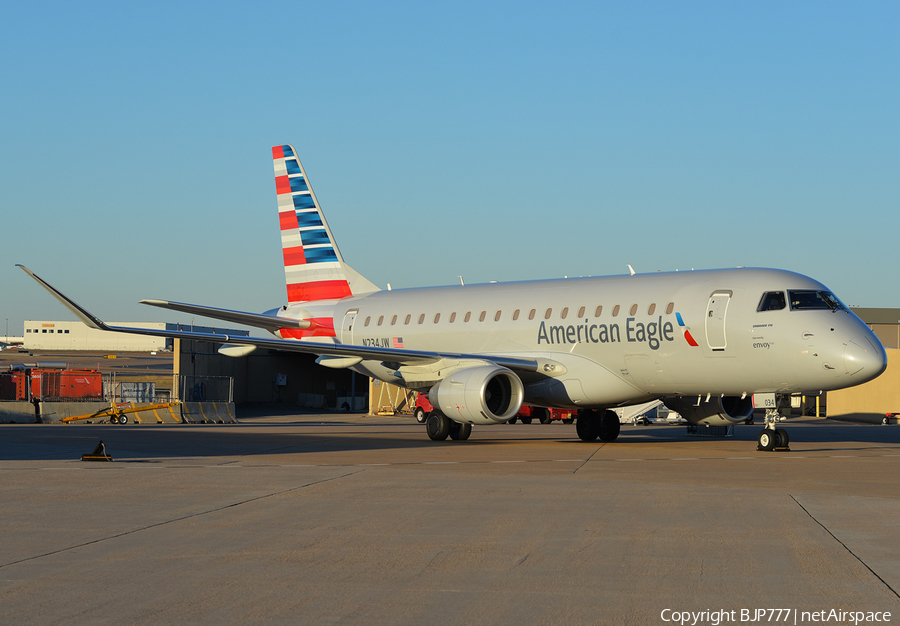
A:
[313, 267]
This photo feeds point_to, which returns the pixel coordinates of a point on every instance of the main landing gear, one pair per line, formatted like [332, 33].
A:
[439, 427]
[772, 438]
[592, 424]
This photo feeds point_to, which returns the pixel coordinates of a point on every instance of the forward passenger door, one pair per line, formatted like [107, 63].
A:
[716, 313]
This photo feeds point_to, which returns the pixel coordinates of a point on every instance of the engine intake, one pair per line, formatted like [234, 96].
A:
[487, 394]
[718, 411]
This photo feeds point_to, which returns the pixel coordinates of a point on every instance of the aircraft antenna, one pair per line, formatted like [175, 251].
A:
[631, 269]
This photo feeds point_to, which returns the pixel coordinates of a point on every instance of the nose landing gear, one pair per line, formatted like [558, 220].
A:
[772, 438]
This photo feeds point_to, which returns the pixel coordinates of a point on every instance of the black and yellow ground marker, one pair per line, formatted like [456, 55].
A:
[99, 454]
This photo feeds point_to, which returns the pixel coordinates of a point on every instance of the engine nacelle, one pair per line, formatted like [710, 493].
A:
[487, 394]
[718, 411]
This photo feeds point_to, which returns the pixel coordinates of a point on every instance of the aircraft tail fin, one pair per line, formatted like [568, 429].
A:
[313, 266]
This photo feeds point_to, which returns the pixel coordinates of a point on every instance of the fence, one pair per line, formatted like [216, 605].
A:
[206, 388]
[121, 391]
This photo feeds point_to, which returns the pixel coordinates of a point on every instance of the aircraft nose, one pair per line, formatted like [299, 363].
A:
[863, 359]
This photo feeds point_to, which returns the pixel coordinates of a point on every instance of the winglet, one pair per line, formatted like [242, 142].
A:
[81, 313]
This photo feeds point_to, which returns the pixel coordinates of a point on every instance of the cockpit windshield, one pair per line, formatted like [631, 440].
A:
[772, 301]
[803, 300]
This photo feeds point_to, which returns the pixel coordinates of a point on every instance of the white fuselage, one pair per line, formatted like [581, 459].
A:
[622, 339]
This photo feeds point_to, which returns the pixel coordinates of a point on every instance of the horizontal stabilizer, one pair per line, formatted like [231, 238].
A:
[268, 322]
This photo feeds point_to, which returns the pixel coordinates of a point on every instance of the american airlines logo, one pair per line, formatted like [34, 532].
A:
[687, 331]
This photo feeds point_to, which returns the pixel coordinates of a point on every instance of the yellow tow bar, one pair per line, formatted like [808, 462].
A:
[118, 413]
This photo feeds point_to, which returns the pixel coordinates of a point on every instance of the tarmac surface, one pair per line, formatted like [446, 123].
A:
[351, 519]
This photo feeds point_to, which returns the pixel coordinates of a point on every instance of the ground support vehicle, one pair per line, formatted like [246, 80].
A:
[526, 413]
[544, 415]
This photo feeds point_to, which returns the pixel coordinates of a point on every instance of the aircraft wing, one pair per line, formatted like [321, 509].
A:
[368, 353]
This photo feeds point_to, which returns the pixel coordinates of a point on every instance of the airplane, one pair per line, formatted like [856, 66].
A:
[709, 343]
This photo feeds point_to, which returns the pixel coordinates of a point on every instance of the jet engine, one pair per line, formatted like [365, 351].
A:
[717, 411]
[487, 394]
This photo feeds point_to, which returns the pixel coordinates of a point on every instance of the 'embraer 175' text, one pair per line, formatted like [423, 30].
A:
[635, 332]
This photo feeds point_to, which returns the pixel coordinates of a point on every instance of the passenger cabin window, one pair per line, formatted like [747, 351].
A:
[422, 318]
[802, 300]
[408, 317]
[581, 312]
[368, 319]
[380, 320]
[565, 313]
[515, 314]
[772, 301]
[482, 316]
[634, 308]
[670, 308]
[497, 316]
[468, 316]
[652, 309]
[453, 317]
[598, 311]
[548, 314]
[616, 311]
[437, 318]
[393, 320]
[531, 314]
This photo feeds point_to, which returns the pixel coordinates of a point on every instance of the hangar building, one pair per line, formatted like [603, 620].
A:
[41, 335]
[885, 323]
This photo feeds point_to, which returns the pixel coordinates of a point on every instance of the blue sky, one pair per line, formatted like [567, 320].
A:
[497, 141]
